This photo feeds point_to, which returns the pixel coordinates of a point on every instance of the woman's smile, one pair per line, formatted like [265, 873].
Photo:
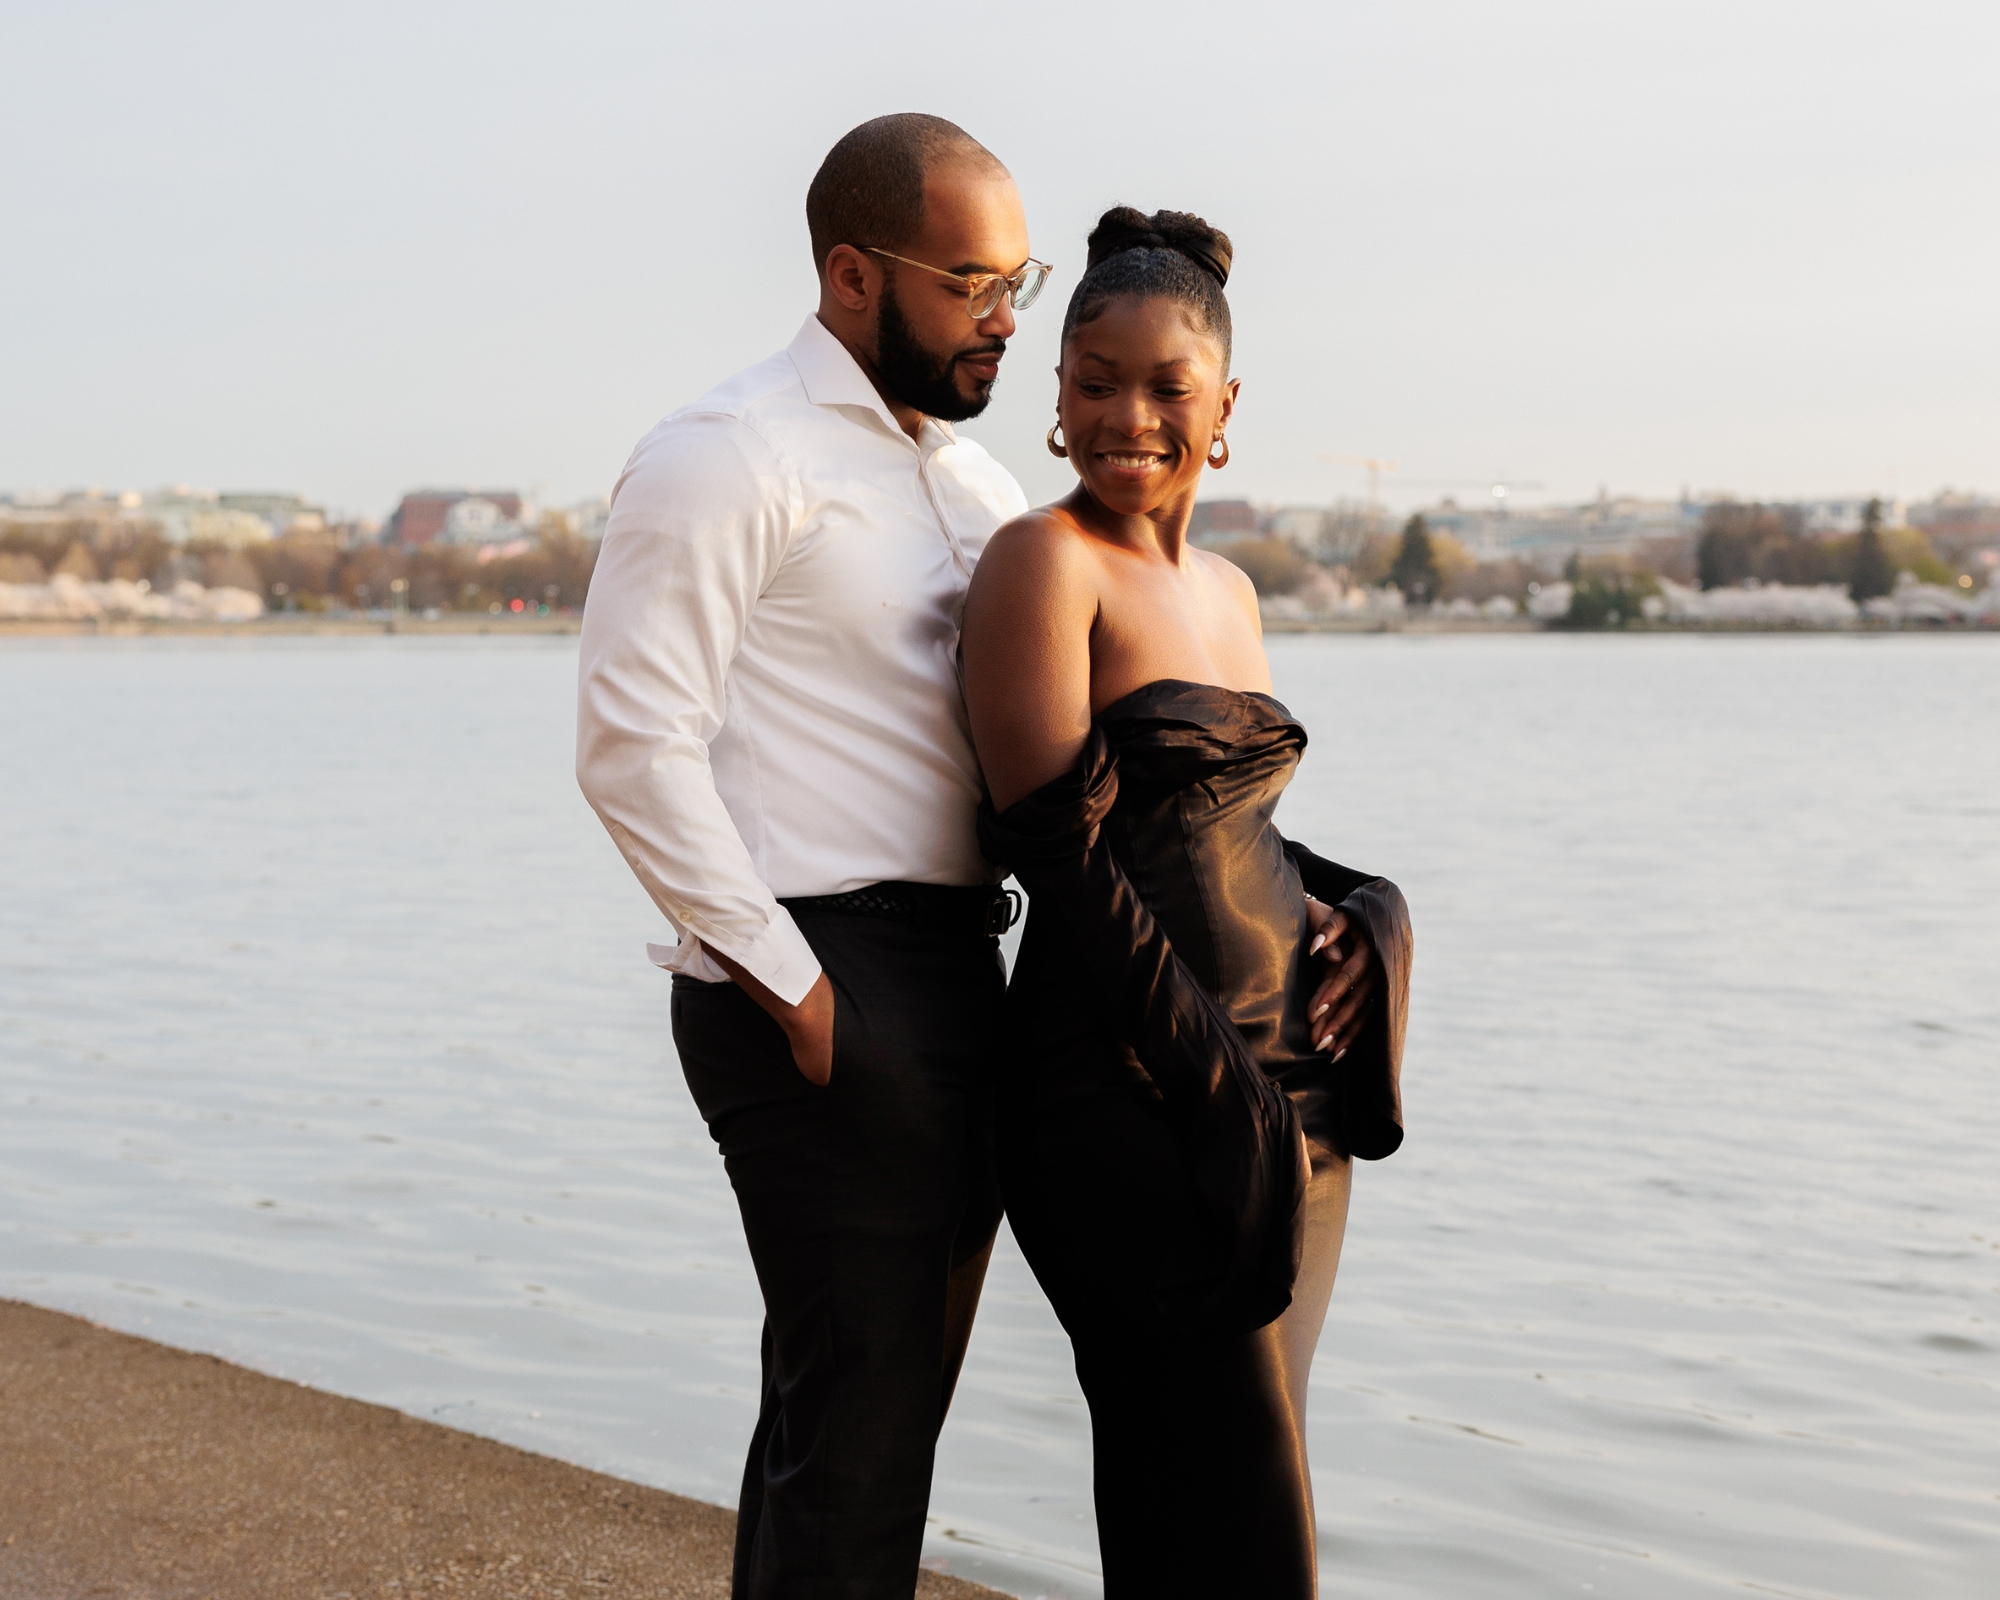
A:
[1136, 462]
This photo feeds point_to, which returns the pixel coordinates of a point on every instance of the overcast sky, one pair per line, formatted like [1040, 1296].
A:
[358, 249]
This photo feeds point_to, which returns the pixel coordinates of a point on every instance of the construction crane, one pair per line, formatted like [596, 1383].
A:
[1376, 466]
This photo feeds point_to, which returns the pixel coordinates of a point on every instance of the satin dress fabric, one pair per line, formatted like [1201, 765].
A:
[1174, 1154]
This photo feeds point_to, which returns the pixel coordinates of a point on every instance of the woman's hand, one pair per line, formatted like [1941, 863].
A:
[1339, 1006]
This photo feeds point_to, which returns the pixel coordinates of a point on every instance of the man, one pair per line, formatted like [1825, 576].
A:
[770, 727]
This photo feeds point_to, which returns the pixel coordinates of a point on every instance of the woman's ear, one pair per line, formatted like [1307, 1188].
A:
[1228, 410]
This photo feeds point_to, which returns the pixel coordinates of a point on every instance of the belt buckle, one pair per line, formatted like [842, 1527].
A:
[1002, 912]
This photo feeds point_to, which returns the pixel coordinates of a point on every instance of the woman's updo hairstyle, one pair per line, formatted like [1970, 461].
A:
[1171, 254]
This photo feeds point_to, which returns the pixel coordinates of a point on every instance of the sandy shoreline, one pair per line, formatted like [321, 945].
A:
[132, 1470]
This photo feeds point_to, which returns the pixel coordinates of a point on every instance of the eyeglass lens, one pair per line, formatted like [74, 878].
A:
[1025, 284]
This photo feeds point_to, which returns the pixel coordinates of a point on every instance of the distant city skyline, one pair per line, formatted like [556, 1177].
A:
[1489, 524]
[1715, 247]
[1471, 493]
[1836, 512]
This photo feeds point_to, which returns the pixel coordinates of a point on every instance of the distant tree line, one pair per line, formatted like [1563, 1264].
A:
[1607, 595]
[1735, 544]
[1424, 564]
[1768, 543]
[310, 572]
[1274, 565]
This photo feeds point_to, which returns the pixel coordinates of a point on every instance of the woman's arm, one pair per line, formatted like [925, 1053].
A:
[1026, 647]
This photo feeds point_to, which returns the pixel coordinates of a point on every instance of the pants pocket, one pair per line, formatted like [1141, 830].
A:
[843, 1029]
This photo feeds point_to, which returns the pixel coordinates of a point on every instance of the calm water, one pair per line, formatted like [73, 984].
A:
[327, 1043]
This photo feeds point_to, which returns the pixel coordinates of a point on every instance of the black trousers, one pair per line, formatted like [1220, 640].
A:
[870, 1207]
[1199, 1463]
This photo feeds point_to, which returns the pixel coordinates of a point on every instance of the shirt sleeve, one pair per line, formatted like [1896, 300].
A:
[699, 524]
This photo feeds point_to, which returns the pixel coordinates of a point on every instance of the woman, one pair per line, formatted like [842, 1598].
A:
[1181, 1103]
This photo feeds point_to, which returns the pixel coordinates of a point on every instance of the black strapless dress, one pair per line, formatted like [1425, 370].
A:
[1174, 1153]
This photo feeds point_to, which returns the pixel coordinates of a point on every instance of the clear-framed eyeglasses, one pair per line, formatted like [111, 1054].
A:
[984, 289]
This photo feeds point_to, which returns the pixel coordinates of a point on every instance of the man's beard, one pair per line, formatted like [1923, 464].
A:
[920, 378]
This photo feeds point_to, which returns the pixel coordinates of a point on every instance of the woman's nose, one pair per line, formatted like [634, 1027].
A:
[1133, 416]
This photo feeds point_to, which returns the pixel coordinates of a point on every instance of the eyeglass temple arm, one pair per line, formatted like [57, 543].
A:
[963, 277]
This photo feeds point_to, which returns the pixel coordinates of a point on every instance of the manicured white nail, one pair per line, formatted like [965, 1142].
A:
[1338, 1054]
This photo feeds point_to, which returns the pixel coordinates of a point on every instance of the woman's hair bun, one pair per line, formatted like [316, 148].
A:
[1122, 228]
[1170, 255]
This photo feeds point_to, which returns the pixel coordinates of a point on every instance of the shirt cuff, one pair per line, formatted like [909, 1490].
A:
[688, 959]
[779, 958]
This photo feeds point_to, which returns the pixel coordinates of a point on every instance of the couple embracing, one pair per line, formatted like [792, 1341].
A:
[838, 682]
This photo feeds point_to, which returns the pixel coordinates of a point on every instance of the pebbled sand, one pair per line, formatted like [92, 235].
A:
[131, 1471]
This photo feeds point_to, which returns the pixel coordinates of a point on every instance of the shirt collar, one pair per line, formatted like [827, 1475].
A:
[832, 377]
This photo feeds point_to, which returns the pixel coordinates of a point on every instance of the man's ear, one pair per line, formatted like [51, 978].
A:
[851, 277]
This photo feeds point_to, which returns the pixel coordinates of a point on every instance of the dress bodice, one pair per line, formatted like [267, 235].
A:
[1201, 770]
[1136, 846]
[1164, 962]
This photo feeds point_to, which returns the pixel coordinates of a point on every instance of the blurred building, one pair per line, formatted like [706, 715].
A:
[286, 513]
[1952, 515]
[1215, 521]
[1303, 525]
[186, 515]
[456, 516]
[180, 515]
[88, 513]
[588, 517]
[1608, 525]
[1836, 519]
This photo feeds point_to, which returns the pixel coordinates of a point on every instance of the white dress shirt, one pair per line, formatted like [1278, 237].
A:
[769, 699]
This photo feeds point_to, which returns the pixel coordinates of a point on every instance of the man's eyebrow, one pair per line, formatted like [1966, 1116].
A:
[973, 269]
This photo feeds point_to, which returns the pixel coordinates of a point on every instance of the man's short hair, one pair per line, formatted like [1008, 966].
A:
[870, 188]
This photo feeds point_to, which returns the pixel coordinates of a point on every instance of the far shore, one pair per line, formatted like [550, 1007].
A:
[288, 624]
[300, 624]
[129, 1468]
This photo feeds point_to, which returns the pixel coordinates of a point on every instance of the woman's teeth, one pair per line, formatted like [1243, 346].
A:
[1133, 463]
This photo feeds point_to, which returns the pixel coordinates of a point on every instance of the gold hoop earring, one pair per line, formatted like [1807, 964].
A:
[1224, 460]
[1054, 448]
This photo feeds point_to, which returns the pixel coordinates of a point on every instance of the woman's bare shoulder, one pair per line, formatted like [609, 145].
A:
[1042, 531]
[1038, 549]
[1227, 573]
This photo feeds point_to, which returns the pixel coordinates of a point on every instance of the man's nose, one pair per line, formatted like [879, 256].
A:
[999, 322]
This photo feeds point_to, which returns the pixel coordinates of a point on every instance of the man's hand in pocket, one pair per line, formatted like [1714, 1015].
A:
[808, 1025]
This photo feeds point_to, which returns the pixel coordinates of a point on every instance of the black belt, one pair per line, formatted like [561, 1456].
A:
[986, 910]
